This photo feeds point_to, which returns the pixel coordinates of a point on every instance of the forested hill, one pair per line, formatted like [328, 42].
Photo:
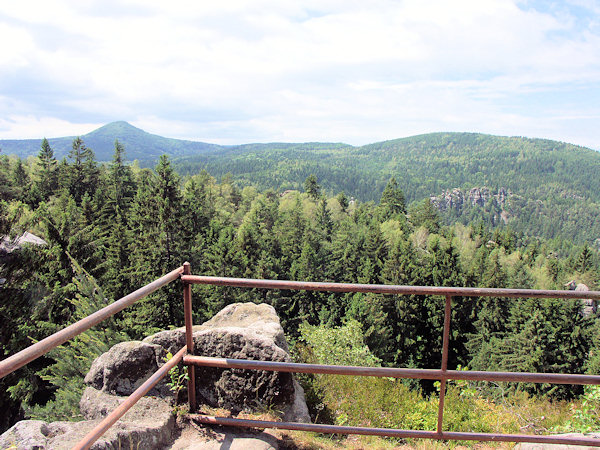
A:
[424, 165]
[108, 229]
[140, 145]
[554, 186]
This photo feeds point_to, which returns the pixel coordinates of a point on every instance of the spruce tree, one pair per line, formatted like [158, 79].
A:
[82, 174]
[20, 180]
[311, 187]
[392, 200]
[46, 177]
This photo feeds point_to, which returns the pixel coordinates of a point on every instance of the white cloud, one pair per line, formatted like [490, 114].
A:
[287, 70]
[32, 127]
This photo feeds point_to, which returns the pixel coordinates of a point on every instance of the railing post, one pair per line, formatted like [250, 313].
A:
[189, 338]
[445, 345]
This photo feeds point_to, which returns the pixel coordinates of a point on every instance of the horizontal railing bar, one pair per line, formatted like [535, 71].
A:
[120, 410]
[207, 361]
[42, 347]
[393, 372]
[446, 435]
[389, 289]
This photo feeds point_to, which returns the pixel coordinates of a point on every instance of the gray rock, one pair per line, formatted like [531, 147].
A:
[238, 389]
[217, 438]
[125, 367]
[259, 320]
[242, 331]
[26, 434]
[172, 340]
[149, 424]
[245, 331]
[298, 410]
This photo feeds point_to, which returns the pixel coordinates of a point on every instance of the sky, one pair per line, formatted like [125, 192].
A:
[353, 71]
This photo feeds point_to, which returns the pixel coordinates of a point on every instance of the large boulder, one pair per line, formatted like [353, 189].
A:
[150, 423]
[242, 331]
[123, 368]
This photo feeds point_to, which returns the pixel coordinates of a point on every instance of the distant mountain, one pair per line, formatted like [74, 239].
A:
[138, 144]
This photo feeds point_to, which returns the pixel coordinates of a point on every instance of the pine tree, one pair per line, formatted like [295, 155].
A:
[584, 260]
[122, 186]
[46, 179]
[424, 214]
[290, 231]
[157, 246]
[121, 189]
[82, 175]
[73, 359]
[492, 315]
[20, 181]
[324, 221]
[311, 187]
[343, 201]
[392, 200]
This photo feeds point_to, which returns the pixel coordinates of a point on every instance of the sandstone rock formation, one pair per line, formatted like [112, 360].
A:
[457, 199]
[245, 331]
[242, 331]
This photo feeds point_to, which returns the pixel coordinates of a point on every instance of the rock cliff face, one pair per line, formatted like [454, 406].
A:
[458, 199]
[245, 331]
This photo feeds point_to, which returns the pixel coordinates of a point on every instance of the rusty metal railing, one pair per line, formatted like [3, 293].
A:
[442, 374]
[186, 354]
[42, 347]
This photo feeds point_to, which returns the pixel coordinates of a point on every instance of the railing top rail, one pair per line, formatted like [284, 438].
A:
[42, 347]
[389, 289]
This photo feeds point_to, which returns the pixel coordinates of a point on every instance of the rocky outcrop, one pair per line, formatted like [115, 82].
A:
[225, 438]
[458, 199]
[244, 331]
[149, 424]
[125, 367]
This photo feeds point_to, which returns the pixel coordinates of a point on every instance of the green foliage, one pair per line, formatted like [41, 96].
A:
[392, 200]
[555, 185]
[311, 187]
[178, 377]
[389, 403]
[586, 417]
[340, 346]
[136, 224]
[73, 359]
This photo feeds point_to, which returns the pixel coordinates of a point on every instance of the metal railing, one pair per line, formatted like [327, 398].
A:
[186, 354]
[442, 374]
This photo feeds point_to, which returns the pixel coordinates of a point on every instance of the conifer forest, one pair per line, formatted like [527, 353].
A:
[112, 227]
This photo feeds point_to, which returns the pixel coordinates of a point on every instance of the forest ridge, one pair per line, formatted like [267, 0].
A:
[554, 186]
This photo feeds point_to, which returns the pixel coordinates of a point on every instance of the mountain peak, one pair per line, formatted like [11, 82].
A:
[138, 144]
[114, 128]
